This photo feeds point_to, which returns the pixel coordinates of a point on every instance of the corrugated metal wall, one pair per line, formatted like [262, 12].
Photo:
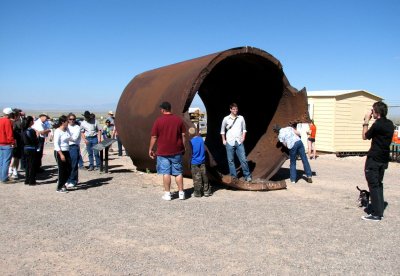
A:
[339, 121]
[324, 119]
[350, 111]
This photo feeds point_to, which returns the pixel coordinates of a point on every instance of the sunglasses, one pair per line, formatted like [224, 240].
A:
[71, 119]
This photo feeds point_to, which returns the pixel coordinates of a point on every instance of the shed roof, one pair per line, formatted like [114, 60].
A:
[335, 93]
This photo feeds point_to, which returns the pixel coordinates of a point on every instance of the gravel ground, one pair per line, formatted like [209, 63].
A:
[117, 224]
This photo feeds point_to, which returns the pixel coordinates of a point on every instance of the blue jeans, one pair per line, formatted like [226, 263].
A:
[170, 165]
[80, 162]
[241, 154]
[92, 141]
[119, 146]
[298, 148]
[74, 153]
[5, 160]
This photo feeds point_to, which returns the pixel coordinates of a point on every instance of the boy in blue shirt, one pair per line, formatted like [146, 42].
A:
[200, 180]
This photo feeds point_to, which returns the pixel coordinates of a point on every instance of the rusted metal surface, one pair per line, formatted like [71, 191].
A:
[248, 76]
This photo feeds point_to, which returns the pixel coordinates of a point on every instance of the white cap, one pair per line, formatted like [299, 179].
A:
[7, 110]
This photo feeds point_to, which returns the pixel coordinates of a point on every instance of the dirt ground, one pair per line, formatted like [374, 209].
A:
[117, 224]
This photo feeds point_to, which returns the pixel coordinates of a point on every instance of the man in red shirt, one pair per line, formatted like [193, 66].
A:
[7, 143]
[168, 133]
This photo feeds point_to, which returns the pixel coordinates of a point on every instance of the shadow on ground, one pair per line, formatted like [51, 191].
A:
[284, 174]
[93, 183]
[48, 175]
[111, 169]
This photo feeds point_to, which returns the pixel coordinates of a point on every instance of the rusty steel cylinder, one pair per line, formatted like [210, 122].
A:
[248, 76]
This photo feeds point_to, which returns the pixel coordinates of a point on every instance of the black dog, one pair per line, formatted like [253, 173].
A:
[363, 198]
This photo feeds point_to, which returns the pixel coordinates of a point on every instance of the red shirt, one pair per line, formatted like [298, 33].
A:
[313, 130]
[168, 129]
[6, 132]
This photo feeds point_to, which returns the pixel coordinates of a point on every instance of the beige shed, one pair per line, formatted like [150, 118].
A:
[338, 115]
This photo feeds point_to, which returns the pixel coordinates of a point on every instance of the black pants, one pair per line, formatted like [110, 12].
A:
[30, 166]
[374, 172]
[23, 161]
[64, 169]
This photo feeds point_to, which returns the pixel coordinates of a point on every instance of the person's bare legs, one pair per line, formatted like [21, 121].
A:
[167, 182]
[179, 182]
[309, 148]
[14, 167]
[314, 150]
[15, 163]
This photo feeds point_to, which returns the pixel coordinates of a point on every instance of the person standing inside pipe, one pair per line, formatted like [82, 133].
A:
[168, 132]
[233, 132]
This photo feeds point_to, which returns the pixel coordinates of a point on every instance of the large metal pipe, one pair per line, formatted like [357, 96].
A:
[251, 77]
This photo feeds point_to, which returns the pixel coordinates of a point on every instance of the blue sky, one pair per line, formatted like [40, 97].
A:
[83, 53]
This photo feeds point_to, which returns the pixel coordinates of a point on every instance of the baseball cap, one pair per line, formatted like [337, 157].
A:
[7, 110]
[43, 114]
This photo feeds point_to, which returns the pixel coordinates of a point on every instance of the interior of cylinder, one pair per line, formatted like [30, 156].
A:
[252, 82]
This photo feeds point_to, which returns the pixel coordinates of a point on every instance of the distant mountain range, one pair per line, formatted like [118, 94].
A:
[45, 107]
[78, 108]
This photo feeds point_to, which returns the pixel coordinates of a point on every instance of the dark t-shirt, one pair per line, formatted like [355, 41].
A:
[17, 130]
[168, 129]
[29, 137]
[381, 133]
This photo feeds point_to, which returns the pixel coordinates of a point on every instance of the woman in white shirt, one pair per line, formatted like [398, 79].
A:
[61, 139]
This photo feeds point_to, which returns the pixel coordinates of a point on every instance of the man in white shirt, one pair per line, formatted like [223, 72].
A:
[233, 132]
[290, 138]
[91, 135]
[42, 130]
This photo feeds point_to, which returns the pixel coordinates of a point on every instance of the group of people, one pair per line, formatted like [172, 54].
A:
[21, 144]
[67, 139]
[23, 138]
[168, 133]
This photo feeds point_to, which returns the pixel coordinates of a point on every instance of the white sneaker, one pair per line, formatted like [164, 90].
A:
[70, 186]
[14, 176]
[166, 196]
[62, 190]
[181, 195]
